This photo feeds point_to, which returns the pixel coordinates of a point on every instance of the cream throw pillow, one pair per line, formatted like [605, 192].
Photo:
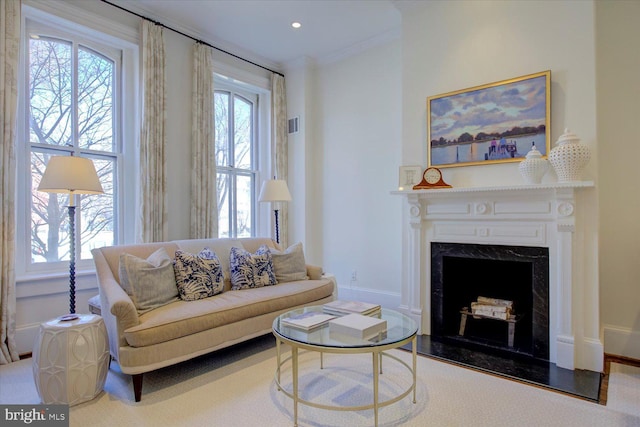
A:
[150, 282]
[289, 265]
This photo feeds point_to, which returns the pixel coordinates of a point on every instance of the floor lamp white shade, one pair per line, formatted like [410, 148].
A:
[71, 175]
[275, 190]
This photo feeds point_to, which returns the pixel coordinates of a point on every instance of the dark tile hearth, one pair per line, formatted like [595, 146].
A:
[579, 383]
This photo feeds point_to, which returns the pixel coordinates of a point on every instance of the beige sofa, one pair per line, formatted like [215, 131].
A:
[181, 330]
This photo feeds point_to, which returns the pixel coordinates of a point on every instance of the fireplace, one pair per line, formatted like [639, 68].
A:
[534, 234]
[461, 273]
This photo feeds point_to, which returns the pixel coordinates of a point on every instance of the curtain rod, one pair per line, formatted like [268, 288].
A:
[190, 37]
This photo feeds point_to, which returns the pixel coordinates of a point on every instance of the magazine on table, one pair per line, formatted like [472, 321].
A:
[308, 320]
[348, 307]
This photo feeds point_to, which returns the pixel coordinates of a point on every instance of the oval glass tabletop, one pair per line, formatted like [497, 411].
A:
[399, 328]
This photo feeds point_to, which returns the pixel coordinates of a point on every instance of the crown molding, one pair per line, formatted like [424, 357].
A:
[362, 46]
[69, 14]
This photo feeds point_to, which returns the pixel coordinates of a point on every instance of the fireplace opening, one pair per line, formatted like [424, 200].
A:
[491, 297]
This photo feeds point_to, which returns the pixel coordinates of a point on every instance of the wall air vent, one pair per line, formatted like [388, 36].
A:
[293, 125]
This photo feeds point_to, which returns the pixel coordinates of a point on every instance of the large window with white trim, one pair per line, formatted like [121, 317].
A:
[71, 105]
[236, 130]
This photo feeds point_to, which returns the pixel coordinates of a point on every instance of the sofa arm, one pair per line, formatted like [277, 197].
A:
[314, 272]
[117, 308]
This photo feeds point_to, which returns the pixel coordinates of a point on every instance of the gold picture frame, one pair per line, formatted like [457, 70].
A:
[493, 123]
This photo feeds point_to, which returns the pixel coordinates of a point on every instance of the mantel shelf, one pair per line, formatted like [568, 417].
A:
[529, 187]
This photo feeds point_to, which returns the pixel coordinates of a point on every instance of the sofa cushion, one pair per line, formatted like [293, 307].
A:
[182, 318]
[289, 265]
[198, 276]
[222, 248]
[251, 270]
[150, 282]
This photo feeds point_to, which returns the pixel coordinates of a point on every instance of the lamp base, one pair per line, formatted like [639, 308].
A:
[275, 211]
[68, 317]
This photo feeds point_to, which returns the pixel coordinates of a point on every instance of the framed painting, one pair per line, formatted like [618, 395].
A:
[493, 123]
[409, 176]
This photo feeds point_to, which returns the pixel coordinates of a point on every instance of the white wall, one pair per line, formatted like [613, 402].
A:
[304, 175]
[618, 68]
[455, 45]
[358, 117]
[179, 53]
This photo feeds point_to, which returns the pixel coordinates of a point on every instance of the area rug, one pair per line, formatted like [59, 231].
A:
[236, 387]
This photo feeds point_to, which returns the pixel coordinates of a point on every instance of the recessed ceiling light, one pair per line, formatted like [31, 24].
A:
[296, 24]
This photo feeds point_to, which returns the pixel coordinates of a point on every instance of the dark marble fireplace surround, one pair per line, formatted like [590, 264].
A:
[462, 272]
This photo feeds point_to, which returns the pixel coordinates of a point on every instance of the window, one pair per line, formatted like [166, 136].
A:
[236, 159]
[70, 105]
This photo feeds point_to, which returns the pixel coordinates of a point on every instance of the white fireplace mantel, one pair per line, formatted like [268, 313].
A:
[540, 215]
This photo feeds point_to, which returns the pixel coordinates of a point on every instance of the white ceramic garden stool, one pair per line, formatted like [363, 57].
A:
[71, 359]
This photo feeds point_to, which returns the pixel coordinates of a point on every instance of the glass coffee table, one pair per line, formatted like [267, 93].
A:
[401, 330]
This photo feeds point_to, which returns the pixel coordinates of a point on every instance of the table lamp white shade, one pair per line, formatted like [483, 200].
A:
[71, 175]
[274, 190]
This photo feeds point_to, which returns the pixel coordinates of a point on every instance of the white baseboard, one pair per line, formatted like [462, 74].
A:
[26, 337]
[592, 355]
[385, 299]
[621, 341]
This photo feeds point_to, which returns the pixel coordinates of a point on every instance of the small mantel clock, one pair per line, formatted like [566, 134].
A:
[431, 178]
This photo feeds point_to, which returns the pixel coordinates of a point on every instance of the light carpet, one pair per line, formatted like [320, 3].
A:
[235, 387]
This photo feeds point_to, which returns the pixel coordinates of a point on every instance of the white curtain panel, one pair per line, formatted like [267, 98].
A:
[204, 205]
[279, 138]
[152, 226]
[9, 53]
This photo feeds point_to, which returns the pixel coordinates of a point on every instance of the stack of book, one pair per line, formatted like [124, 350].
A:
[307, 321]
[340, 307]
[358, 326]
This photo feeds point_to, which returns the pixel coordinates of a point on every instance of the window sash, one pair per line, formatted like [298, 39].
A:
[235, 218]
[25, 262]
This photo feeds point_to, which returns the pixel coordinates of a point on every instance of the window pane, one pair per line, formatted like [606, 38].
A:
[49, 217]
[221, 101]
[235, 126]
[223, 205]
[95, 101]
[242, 133]
[244, 184]
[97, 221]
[50, 91]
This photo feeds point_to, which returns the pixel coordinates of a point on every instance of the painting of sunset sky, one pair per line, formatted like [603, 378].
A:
[515, 112]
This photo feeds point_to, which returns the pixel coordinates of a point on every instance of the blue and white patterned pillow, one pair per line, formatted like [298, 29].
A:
[251, 270]
[198, 276]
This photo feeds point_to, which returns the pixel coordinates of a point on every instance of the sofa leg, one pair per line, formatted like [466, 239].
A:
[137, 386]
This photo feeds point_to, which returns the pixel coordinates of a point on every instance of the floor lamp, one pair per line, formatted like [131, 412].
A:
[275, 190]
[71, 175]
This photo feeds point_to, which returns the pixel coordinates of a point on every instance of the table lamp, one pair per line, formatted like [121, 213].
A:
[71, 175]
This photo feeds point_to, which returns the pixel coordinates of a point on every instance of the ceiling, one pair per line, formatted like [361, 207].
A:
[260, 30]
